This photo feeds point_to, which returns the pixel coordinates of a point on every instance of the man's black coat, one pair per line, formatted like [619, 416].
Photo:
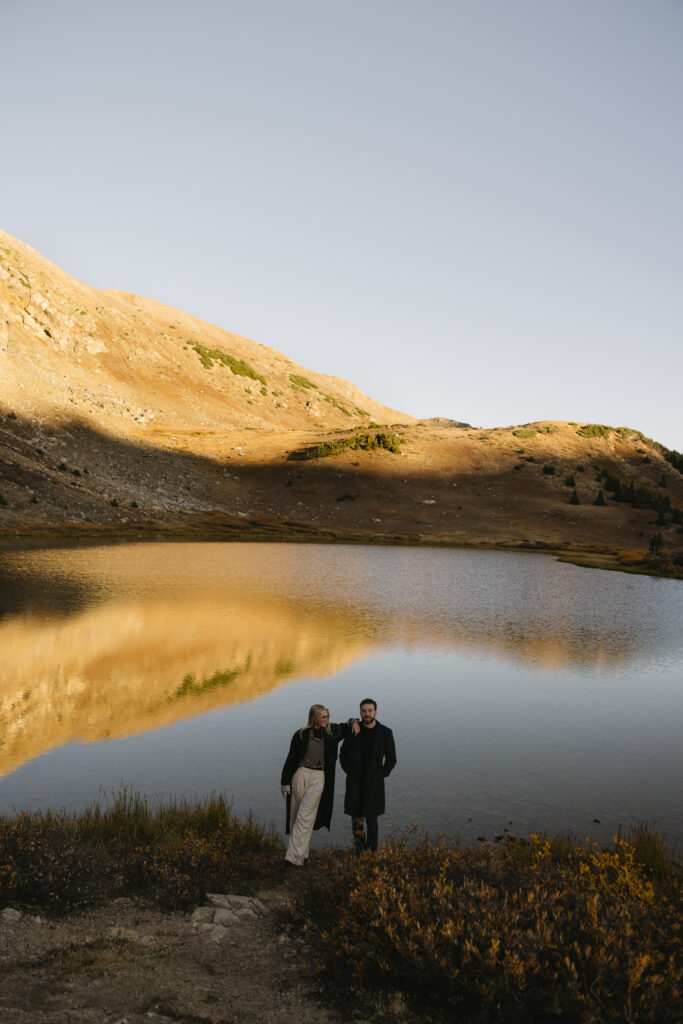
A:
[365, 791]
[297, 752]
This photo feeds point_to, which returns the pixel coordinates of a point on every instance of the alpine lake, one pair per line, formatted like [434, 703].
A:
[524, 694]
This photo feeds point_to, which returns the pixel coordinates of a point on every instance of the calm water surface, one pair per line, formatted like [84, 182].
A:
[523, 693]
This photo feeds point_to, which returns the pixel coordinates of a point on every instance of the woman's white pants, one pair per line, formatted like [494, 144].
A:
[307, 788]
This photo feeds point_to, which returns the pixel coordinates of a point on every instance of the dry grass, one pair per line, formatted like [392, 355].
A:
[171, 854]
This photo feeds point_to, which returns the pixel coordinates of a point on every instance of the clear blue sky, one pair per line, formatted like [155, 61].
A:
[470, 208]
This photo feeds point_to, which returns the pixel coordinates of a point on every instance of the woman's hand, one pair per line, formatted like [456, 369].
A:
[355, 727]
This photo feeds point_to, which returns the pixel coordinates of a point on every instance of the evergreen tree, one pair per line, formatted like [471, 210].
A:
[628, 493]
[655, 543]
[570, 481]
[600, 500]
[574, 500]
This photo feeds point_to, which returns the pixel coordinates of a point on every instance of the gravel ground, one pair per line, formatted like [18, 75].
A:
[124, 963]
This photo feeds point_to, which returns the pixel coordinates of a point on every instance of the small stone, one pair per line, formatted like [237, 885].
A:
[201, 915]
[218, 933]
[244, 912]
[11, 916]
[129, 934]
[207, 926]
[232, 902]
[224, 916]
[229, 900]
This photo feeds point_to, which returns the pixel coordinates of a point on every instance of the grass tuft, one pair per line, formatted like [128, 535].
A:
[170, 853]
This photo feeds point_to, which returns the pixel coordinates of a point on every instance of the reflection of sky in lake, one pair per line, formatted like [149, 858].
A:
[519, 689]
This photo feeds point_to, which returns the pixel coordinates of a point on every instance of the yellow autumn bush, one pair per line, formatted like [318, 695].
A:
[532, 931]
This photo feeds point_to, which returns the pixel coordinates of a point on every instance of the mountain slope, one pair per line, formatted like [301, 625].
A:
[121, 362]
[121, 415]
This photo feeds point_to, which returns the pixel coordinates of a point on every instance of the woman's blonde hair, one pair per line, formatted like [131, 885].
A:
[314, 713]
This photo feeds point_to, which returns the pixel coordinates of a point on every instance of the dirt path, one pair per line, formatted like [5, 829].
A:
[127, 964]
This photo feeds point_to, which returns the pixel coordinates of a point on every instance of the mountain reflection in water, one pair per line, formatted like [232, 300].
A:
[108, 641]
[176, 629]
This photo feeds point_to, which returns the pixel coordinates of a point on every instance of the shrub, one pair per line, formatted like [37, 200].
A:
[525, 432]
[331, 400]
[11, 415]
[570, 481]
[366, 442]
[574, 500]
[535, 930]
[548, 470]
[549, 429]
[239, 367]
[594, 430]
[656, 543]
[302, 382]
[675, 458]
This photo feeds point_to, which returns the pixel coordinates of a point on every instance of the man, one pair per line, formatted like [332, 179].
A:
[367, 758]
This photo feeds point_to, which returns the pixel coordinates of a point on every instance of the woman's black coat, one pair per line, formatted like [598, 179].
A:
[365, 792]
[297, 752]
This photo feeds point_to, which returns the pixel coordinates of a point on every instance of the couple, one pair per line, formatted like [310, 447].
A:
[368, 755]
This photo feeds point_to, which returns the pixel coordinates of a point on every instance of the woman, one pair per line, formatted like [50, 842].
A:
[307, 780]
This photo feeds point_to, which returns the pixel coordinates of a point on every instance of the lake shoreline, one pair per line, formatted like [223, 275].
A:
[587, 558]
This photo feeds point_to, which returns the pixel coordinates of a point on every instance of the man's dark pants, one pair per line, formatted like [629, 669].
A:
[360, 840]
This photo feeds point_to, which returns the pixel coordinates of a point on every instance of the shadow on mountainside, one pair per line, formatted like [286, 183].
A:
[438, 486]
